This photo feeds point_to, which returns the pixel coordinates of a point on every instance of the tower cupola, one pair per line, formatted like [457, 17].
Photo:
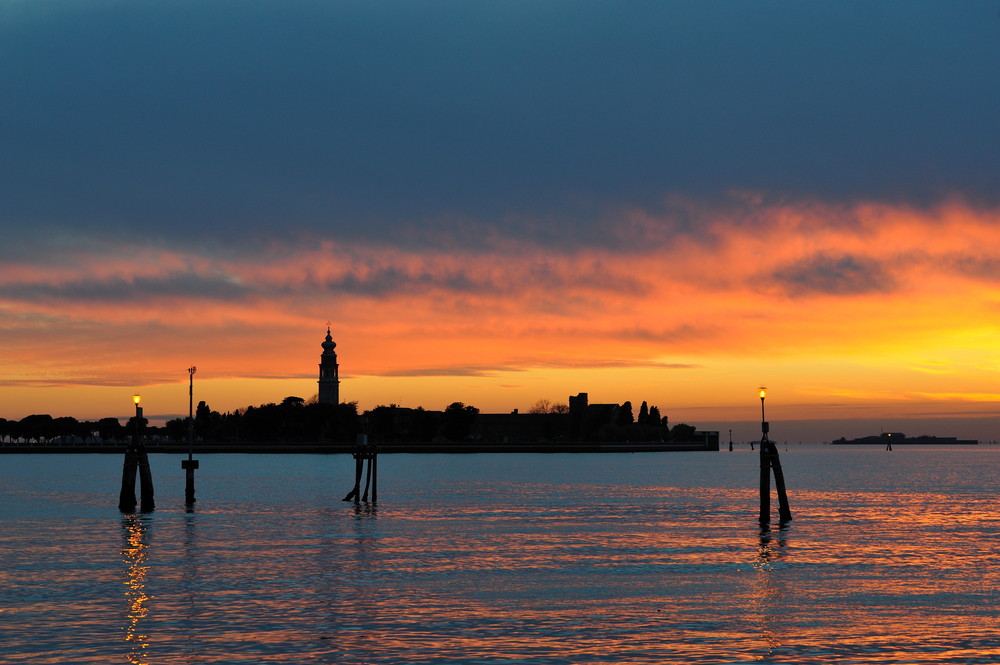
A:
[329, 372]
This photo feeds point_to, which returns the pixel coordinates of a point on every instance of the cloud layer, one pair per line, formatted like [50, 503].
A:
[539, 194]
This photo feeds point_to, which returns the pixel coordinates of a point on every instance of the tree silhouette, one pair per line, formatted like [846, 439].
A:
[654, 417]
[625, 416]
[457, 421]
[110, 429]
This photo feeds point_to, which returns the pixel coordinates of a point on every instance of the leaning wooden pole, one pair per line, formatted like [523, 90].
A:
[784, 512]
[358, 454]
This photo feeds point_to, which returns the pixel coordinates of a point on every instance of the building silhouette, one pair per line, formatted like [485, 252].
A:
[329, 372]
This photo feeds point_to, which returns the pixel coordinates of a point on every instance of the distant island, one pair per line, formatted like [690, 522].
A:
[296, 425]
[900, 439]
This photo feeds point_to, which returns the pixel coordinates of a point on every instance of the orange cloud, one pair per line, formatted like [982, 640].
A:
[795, 289]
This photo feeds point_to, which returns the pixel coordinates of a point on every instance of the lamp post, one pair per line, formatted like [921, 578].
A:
[190, 464]
[769, 462]
[762, 391]
[136, 459]
[191, 371]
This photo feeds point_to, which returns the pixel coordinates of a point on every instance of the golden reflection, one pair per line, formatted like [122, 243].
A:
[134, 553]
[767, 593]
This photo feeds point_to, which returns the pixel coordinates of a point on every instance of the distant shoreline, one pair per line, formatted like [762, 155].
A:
[387, 448]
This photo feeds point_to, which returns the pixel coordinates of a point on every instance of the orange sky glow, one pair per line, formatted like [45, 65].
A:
[864, 310]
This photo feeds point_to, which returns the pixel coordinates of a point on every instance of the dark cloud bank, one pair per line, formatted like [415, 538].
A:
[222, 119]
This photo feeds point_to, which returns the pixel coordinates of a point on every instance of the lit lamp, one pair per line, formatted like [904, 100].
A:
[138, 416]
[763, 421]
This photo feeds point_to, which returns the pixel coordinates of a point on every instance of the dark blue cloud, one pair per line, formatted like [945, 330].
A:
[121, 290]
[242, 119]
[840, 276]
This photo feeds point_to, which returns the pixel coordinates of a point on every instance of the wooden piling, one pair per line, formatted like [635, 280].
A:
[136, 459]
[146, 503]
[765, 484]
[368, 476]
[363, 451]
[770, 462]
[126, 498]
[784, 513]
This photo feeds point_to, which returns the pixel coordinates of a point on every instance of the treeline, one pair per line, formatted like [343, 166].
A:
[622, 424]
[291, 421]
[43, 428]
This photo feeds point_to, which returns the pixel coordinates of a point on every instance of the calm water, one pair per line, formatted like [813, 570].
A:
[893, 557]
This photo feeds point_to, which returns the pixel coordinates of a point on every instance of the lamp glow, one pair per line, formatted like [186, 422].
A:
[763, 392]
[135, 398]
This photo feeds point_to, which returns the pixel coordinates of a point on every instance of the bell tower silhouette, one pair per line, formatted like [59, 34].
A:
[329, 372]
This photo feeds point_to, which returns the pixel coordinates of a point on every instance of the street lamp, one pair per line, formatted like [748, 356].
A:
[763, 421]
[190, 464]
[191, 371]
[769, 462]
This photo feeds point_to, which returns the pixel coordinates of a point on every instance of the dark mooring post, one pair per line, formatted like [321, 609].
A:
[136, 459]
[355, 494]
[190, 464]
[769, 462]
[368, 475]
[364, 451]
[126, 499]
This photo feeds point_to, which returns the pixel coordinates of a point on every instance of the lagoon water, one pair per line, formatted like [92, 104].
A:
[892, 557]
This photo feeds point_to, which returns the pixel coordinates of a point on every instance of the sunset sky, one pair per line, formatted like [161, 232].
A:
[499, 202]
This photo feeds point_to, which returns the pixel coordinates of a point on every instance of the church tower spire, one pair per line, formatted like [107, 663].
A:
[329, 372]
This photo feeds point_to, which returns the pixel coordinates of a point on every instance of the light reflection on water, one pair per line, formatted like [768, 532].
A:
[892, 558]
[134, 554]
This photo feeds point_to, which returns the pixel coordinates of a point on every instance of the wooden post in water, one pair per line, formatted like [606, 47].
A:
[355, 494]
[368, 475]
[784, 512]
[126, 498]
[364, 451]
[136, 459]
[765, 480]
[769, 462]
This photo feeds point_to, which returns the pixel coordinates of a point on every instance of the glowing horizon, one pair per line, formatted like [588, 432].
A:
[885, 306]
